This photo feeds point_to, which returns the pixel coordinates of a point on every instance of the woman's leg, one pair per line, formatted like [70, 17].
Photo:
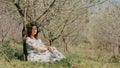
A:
[58, 55]
[55, 54]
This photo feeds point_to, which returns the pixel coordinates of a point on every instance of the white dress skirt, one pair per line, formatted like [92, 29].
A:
[38, 56]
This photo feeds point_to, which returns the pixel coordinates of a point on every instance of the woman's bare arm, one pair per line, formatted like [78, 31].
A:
[43, 48]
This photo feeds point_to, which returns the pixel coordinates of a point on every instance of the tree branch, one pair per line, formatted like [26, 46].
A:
[46, 10]
[19, 8]
[61, 31]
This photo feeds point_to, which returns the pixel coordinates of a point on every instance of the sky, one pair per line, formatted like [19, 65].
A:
[117, 0]
[101, 7]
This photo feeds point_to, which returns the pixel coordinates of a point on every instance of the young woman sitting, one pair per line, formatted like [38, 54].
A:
[36, 49]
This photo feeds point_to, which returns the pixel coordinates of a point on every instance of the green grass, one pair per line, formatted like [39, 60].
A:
[66, 63]
[81, 58]
[72, 62]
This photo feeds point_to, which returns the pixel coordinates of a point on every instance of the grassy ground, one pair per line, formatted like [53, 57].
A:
[84, 63]
[82, 57]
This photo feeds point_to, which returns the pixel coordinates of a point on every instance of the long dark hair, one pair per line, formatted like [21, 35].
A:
[29, 29]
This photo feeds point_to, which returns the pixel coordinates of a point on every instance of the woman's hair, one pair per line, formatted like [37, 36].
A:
[29, 29]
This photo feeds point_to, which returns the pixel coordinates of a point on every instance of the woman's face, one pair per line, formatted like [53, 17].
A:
[34, 31]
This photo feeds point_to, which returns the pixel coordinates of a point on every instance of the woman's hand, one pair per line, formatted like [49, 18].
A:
[51, 48]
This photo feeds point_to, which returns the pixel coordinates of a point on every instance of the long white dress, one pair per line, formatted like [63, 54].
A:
[34, 55]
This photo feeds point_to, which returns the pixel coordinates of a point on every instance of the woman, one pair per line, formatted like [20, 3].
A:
[36, 49]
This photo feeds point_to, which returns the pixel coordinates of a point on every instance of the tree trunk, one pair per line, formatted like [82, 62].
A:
[24, 34]
[116, 49]
[24, 44]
